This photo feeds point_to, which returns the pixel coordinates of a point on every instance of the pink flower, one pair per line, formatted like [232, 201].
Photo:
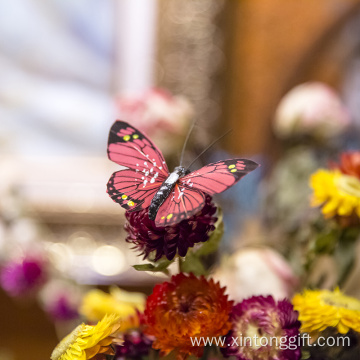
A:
[264, 329]
[23, 276]
[313, 109]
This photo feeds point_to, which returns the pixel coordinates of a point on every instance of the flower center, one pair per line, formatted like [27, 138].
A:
[184, 306]
[255, 332]
[349, 185]
[340, 300]
[256, 343]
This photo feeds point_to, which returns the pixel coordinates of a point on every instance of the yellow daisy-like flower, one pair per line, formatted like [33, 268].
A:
[89, 342]
[320, 309]
[97, 303]
[337, 193]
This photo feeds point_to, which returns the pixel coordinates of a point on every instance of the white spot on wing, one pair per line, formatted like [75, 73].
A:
[181, 193]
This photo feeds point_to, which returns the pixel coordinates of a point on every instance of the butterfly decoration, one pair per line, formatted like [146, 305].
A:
[147, 183]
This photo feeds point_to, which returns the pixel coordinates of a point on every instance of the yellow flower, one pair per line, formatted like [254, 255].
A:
[320, 309]
[89, 342]
[337, 193]
[96, 304]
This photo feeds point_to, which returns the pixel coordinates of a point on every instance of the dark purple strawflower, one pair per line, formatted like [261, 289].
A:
[62, 309]
[263, 329]
[22, 277]
[169, 240]
[135, 345]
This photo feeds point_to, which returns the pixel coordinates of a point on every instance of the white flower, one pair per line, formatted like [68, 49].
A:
[311, 108]
[256, 271]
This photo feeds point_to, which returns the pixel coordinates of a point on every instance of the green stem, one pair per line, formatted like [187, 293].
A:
[180, 260]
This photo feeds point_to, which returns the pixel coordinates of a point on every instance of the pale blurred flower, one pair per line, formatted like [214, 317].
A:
[163, 117]
[313, 109]
[61, 300]
[24, 231]
[256, 271]
[2, 239]
[10, 203]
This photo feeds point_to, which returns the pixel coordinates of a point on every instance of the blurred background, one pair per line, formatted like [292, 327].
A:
[69, 69]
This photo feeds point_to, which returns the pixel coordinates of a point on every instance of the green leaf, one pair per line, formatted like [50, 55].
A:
[345, 254]
[144, 267]
[193, 264]
[159, 266]
[350, 234]
[325, 243]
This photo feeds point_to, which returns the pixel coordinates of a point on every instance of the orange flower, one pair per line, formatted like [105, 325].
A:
[185, 308]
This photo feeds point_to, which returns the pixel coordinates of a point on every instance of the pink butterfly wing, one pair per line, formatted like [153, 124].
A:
[131, 190]
[134, 188]
[128, 147]
[218, 177]
[182, 203]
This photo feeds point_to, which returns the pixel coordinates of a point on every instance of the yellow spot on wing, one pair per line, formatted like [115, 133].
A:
[163, 217]
[126, 137]
[131, 203]
[124, 197]
[169, 216]
[233, 170]
[135, 136]
[231, 166]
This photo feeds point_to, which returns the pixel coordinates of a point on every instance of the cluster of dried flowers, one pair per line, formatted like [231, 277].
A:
[192, 315]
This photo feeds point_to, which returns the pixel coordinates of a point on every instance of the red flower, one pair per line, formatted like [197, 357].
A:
[185, 308]
[350, 163]
[169, 240]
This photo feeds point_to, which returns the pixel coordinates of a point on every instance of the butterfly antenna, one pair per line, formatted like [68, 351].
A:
[209, 147]
[186, 141]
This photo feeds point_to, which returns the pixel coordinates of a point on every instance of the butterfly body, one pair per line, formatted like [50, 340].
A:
[147, 183]
[165, 190]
